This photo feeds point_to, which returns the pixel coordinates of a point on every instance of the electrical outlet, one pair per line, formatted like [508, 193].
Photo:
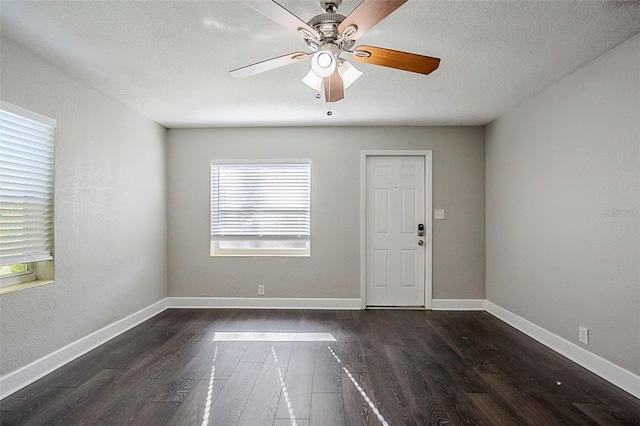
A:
[260, 290]
[584, 335]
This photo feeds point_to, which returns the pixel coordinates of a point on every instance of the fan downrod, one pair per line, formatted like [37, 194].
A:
[330, 6]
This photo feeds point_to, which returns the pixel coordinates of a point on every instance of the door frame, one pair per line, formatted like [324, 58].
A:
[428, 197]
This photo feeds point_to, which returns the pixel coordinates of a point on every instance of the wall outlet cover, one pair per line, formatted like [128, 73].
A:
[584, 335]
[438, 214]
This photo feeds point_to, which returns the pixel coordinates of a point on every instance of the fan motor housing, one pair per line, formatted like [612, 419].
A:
[326, 25]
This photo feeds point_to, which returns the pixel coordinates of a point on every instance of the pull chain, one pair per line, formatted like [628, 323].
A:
[329, 112]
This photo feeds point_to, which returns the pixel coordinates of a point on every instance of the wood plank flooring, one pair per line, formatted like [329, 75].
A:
[384, 367]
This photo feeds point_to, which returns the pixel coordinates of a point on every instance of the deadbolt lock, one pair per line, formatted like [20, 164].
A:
[420, 230]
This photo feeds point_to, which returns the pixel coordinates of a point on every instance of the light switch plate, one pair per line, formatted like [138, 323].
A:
[438, 214]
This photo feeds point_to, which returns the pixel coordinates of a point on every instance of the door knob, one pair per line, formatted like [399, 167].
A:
[420, 242]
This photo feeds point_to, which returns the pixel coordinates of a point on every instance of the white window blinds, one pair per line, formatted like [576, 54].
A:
[261, 201]
[26, 186]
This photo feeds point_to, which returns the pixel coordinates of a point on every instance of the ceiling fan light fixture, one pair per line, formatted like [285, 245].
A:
[349, 73]
[330, 35]
[323, 63]
[313, 81]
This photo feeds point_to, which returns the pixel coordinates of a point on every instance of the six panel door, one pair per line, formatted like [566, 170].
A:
[395, 206]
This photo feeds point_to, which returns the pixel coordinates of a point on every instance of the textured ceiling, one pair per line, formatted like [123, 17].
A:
[170, 60]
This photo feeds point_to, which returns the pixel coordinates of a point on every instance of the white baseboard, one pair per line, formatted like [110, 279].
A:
[458, 304]
[263, 303]
[39, 368]
[620, 377]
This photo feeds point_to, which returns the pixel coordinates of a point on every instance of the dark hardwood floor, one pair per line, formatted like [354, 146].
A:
[384, 367]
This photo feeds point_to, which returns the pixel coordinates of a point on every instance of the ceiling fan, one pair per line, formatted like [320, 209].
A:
[329, 35]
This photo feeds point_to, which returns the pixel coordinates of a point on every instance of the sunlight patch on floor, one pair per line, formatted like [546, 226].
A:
[252, 336]
[207, 406]
[285, 393]
[362, 392]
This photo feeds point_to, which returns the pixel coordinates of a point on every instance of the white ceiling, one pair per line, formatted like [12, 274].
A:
[170, 60]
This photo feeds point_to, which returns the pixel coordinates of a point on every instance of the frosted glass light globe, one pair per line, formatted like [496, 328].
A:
[323, 64]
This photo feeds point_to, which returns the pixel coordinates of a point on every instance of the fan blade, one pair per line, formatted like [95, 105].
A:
[367, 14]
[396, 59]
[333, 87]
[280, 15]
[269, 64]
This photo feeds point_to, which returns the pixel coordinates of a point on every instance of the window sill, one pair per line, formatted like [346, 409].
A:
[24, 286]
[259, 255]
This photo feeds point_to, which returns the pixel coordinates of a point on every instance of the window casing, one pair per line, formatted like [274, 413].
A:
[26, 193]
[261, 209]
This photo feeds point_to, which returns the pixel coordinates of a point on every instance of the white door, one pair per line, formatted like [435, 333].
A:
[395, 253]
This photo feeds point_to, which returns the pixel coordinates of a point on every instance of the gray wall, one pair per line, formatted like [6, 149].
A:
[110, 213]
[333, 270]
[563, 207]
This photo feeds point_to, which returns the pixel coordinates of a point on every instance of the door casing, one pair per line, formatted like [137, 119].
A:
[428, 197]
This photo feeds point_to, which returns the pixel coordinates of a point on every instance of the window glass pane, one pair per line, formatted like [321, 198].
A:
[17, 273]
[16, 269]
[262, 245]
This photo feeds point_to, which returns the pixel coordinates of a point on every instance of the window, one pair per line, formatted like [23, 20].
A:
[26, 193]
[260, 209]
